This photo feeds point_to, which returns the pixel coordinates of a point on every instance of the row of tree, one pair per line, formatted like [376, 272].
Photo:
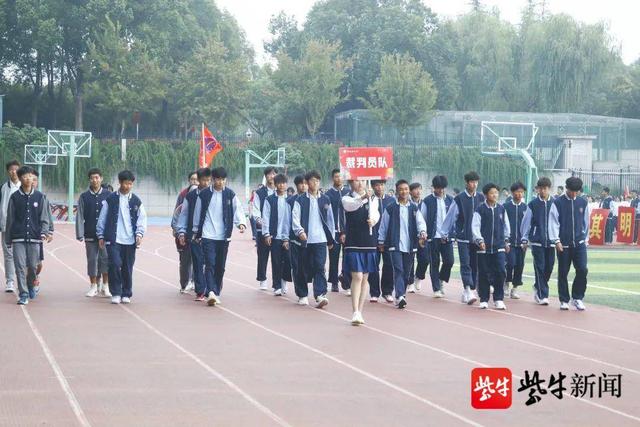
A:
[93, 64]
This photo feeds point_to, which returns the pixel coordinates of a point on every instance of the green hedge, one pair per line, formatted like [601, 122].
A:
[169, 163]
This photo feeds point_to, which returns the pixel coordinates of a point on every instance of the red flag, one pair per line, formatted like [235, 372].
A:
[209, 147]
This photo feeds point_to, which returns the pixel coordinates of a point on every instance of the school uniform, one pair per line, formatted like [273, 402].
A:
[263, 250]
[217, 213]
[535, 232]
[6, 190]
[295, 250]
[434, 210]
[122, 219]
[421, 261]
[635, 203]
[515, 257]
[607, 203]
[569, 225]
[457, 224]
[185, 259]
[335, 196]
[27, 223]
[400, 228]
[382, 284]
[276, 223]
[314, 217]
[88, 212]
[360, 243]
[490, 225]
[186, 225]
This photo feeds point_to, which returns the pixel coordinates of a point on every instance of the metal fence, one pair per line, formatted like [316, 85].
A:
[618, 180]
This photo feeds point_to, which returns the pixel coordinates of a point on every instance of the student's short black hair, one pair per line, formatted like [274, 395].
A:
[291, 190]
[605, 189]
[401, 182]
[488, 187]
[191, 174]
[312, 174]
[126, 175]
[573, 183]
[560, 187]
[219, 172]
[456, 190]
[378, 181]
[203, 172]
[35, 173]
[94, 171]
[269, 169]
[299, 179]
[280, 178]
[439, 181]
[471, 176]
[543, 181]
[335, 171]
[23, 170]
[414, 185]
[12, 163]
[518, 186]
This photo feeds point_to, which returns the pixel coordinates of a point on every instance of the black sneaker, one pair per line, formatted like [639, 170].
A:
[402, 303]
[343, 282]
[334, 287]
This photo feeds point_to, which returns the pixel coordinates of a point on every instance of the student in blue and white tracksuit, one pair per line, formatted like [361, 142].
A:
[381, 284]
[295, 245]
[535, 233]
[256, 212]
[569, 232]
[421, 261]
[402, 231]
[186, 227]
[121, 227]
[457, 224]
[491, 233]
[312, 222]
[434, 210]
[360, 259]
[218, 210]
[335, 194]
[276, 227]
[516, 208]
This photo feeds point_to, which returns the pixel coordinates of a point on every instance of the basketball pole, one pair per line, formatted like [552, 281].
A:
[71, 185]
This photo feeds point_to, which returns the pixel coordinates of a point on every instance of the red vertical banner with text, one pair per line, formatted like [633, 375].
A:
[366, 162]
[597, 224]
[626, 224]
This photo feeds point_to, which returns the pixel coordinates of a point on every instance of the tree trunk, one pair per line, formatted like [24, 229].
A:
[78, 98]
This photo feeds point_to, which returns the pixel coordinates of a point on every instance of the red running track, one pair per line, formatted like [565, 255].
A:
[258, 360]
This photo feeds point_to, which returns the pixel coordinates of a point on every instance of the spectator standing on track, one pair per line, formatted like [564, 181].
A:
[89, 206]
[121, 227]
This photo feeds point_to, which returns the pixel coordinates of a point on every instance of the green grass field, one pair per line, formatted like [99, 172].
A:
[613, 280]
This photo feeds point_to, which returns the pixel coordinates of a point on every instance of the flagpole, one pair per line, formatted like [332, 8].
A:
[202, 153]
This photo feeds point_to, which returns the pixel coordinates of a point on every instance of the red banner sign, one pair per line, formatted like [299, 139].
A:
[597, 225]
[366, 162]
[626, 224]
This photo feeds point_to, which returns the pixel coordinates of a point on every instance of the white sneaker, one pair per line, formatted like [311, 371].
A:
[263, 285]
[303, 301]
[438, 294]
[277, 292]
[388, 298]
[9, 288]
[465, 296]
[93, 291]
[506, 288]
[473, 297]
[536, 298]
[577, 303]
[373, 299]
[105, 291]
[348, 292]
[360, 318]
[190, 287]
[411, 289]
[126, 300]
[484, 305]
[283, 286]
[514, 294]
[418, 284]
[184, 291]
[321, 301]
[211, 299]
[116, 300]
[499, 305]
[355, 319]
[564, 306]
[544, 301]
